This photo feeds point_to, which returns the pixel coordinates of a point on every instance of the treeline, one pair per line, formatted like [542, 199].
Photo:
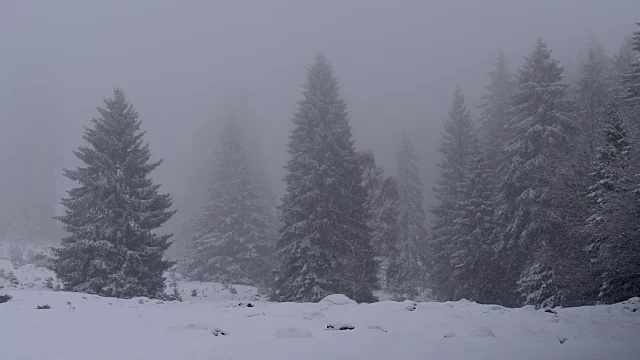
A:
[538, 200]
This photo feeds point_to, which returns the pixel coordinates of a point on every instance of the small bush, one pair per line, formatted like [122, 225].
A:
[13, 280]
[40, 260]
[48, 283]
[4, 298]
[16, 255]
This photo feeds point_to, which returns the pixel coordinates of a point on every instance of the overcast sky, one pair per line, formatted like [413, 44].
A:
[184, 64]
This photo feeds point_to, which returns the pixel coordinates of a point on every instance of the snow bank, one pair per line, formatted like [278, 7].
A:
[218, 324]
[337, 299]
[205, 328]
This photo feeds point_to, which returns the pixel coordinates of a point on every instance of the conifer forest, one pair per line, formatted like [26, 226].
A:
[414, 152]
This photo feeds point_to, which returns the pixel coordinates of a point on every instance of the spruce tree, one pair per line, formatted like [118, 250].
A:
[631, 80]
[407, 274]
[456, 149]
[111, 249]
[472, 260]
[620, 64]
[381, 214]
[495, 114]
[610, 163]
[489, 164]
[323, 248]
[233, 242]
[611, 226]
[617, 190]
[535, 242]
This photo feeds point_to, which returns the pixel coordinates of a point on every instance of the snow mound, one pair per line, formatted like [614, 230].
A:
[376, 327]
[292, 333]
[632, 304]
[410, 305]
[206, 328]
[337, 299]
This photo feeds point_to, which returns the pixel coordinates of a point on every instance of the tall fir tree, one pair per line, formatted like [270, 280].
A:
[323, 248]
[631, 79]
[234, 240]
[617, 189]
[612, 227]
[495, 114]
[487, 165]
[381, 214]
[407, 274]
[474, 269]
[535, 240]
[631, 101]
[111, 248]
[456, 150]
[620, 64]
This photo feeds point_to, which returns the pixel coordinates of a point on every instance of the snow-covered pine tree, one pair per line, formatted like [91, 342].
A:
[456, 153]
[381, 213]
[611, 226]
[631, 80]
[111, 248]
[533, 211]
[495, 114]
[617, 189]
[407, 274]
[322, 249]
[620, 64]
[233, 241]
[488, 164]
[472, 259]
[631, 101]
[610, 162]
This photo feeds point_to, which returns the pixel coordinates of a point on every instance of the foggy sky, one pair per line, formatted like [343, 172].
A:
[184, 64]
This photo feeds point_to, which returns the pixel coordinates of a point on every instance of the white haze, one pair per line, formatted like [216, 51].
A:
[186, 65]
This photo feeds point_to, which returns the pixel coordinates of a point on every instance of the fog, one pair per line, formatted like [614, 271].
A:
[186, 65]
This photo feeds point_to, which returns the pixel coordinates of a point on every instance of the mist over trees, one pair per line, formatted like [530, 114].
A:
[526, 193]
[234, 237]
[548, 220]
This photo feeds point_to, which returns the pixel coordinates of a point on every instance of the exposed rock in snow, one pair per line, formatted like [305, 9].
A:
[410, 305]
[340, 326]
[337, 299]
[632, 305]
[219, 332]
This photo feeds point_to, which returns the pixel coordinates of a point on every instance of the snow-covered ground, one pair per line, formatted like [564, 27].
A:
[218, 324]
